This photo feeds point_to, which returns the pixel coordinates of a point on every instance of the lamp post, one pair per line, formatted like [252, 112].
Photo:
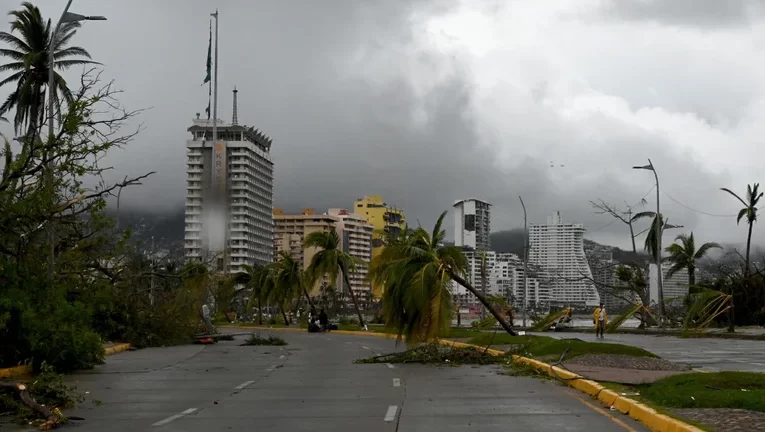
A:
[525, 259]
[66, 17]
[659, 277]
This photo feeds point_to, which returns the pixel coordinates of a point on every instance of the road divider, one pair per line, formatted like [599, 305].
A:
[654, 420]
[26, 370]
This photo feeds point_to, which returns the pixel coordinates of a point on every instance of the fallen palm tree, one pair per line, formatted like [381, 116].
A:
[553, 317]
[706, 306]
[638, 310]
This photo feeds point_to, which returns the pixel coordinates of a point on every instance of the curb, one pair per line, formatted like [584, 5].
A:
[654, 420]
[25, 371]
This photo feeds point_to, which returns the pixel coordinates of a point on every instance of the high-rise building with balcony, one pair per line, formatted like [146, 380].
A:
[385, 220]
[353, 231]
[558, 248]
[229, 199]
[472, 224]
[356, 240]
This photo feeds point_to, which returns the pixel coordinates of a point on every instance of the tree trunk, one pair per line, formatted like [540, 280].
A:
[51, 419]
[307, 297]
[260, 308]
[500, 319]
[284, 315]
[353, 295]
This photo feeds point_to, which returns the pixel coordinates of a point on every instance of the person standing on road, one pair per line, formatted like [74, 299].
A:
[600, 319]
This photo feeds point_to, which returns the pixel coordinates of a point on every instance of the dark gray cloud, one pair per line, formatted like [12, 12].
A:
[333, 83]
[689, 13]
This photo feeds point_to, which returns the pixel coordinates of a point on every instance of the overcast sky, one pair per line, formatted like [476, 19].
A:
[425, 102]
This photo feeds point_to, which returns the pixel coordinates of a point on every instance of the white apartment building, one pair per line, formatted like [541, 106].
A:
[356, 240]
[558, 248]
[229, 199]
[472, 223]
[675, 287]
[504, 277]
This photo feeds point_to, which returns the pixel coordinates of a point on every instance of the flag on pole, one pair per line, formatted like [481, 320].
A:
[208, 78]
[209, 59]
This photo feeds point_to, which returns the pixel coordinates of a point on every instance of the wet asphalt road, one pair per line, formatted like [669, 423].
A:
[312, 384]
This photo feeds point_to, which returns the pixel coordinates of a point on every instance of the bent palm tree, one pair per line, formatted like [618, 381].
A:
[417, 274]
[329, 259]
[684, 255]
[28, 53]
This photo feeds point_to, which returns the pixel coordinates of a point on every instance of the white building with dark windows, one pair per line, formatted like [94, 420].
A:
[504, 278]
[472, 223]
[558, 248]
[229, 198]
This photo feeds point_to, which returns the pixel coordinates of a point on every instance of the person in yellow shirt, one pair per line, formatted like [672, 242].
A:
[600, 319]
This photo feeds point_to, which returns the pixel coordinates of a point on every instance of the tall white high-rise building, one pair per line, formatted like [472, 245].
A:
[229, 200]
[675, 287]
[472, 223]
[558, 248]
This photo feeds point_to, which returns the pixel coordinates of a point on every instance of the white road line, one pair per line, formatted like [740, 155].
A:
[396, 382]
[365, 347]
[281, 357]
[391, 414]
[177, 416]
[349, 343]
[390, 366]
[243, 385]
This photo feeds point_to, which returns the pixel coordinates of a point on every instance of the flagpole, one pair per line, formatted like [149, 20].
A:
[215, 83]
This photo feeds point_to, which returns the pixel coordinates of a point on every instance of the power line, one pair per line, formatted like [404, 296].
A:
[694, 210]
[604, 226]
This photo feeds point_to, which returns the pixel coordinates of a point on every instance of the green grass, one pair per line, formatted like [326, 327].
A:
[543, 346]
[708, 390]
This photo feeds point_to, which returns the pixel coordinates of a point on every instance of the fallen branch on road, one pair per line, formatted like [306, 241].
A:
[52, 419]
[435, 353]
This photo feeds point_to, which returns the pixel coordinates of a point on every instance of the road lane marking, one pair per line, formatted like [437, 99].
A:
[600, 410]
[396, 382]
[391, 414]
[243, 385]
[390, 366]
[349, 343]
[175, 417]
[281, 357]
[365, 347]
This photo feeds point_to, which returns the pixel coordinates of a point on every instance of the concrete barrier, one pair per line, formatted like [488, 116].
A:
[25, 371]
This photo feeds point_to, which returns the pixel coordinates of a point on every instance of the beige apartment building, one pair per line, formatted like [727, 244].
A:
[290, 231]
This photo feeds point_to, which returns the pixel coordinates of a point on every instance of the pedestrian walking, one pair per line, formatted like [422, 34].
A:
[600, 319]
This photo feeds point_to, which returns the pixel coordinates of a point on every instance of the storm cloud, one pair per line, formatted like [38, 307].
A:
[427, 102]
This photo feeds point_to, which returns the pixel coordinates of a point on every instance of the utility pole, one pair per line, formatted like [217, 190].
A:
[525, 259]
[153, 269]
[483, 282]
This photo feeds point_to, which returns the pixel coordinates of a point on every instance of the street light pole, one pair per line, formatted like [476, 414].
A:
[66, 16]
[525, 259]
[659, 232]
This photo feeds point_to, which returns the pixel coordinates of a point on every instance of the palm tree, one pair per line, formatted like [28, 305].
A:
[329, 259]
[417, 274]
[650, 239]
[684, 255]
[256, 280]
[291, 279]
[749, 211]
[28, 53]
